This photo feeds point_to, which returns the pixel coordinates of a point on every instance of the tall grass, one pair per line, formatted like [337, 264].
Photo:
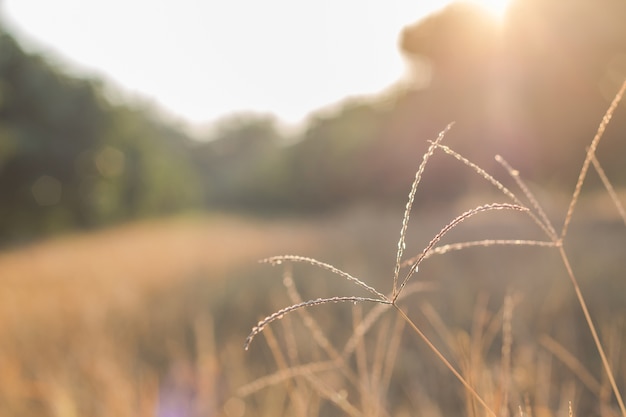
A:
[368, 381]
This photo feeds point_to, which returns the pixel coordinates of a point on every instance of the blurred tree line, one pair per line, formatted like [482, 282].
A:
[533, 90]
[71, 159]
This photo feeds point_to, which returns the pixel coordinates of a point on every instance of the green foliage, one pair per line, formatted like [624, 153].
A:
[71, 159]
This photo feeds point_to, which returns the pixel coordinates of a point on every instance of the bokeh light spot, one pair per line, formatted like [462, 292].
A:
[47, 190]
[110, 162]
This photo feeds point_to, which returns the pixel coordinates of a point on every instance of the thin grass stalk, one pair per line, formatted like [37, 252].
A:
[280, 402]
[444, 361]
[529, 195]
[337, 360]
[507, 342]
[409, 205]
[561, 353]
[590, 153]
[290, 342]
[375, 313]
[477, 335]
[495, 183]
[335, 397]
[310, 323]
[492, 329]
[568, 217]
[316, 332]
[456, 347]
[261, 325]
[543, 387]
[378, 359]
[443, 249]
[378, 356]
[370, 319]
[613, 341]
[281, 362]
[609, 187]
[285, 375]
[278, 260]
[292, 354]
[361, 362]
[462, 348]
[450, 226]
[479, 318]
[480, 172]
[592, 328]
[392, 353]
[440, 328]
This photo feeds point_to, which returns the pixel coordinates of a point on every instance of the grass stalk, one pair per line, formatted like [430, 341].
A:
[445, 361]
[371, 380]
[592, 328]
[588, 158]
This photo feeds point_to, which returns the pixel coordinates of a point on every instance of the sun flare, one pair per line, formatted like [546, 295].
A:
[497, 8]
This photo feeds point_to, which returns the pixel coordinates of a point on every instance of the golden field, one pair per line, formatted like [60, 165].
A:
[149, 319]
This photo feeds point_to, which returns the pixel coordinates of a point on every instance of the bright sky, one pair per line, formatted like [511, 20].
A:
[203, 59]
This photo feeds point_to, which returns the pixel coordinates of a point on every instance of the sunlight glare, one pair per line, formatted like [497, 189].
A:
[497, 8]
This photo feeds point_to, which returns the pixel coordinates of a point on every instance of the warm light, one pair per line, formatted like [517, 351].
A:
[497, 8]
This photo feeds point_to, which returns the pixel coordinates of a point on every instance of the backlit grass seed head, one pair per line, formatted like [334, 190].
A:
[281, 313]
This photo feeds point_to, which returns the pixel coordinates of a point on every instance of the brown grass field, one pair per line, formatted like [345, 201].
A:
[150, 319]
[73, 309]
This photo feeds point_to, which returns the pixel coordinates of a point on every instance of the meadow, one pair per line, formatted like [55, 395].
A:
[150, 318]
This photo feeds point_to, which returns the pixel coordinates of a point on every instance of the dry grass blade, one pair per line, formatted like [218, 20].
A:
[507, 342]
[392, 353]
[609, 188]
[480, 172]
[375, 313]
[281, 313]
[494, 182]
[590, 153]
[443, 249]
[278, 260]
[364, 385]
[409, 205]
[568, 217]
[285, 375]
[450, 226]
[592, 329]
[316, 332]
[572, 363]
[529, 195]
[293, 392]
[335, 397]
[445, 361]
[440, 328]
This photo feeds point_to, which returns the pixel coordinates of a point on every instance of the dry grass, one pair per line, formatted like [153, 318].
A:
[149, 319]
[80, 333]
[492, 396]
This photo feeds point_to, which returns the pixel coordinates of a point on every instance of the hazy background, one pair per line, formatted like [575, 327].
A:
[150, 153]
